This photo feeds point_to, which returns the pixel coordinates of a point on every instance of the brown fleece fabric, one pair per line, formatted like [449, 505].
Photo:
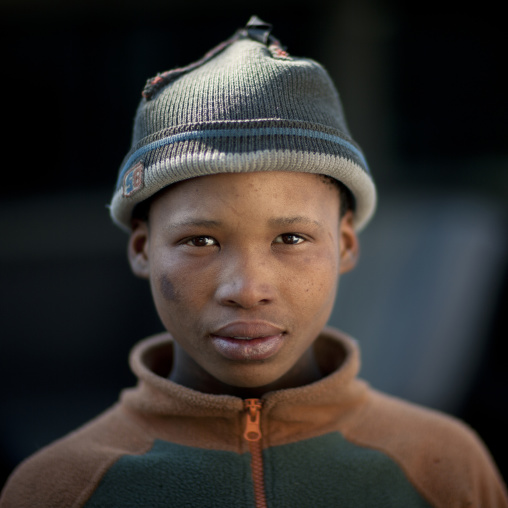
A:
[443, 459]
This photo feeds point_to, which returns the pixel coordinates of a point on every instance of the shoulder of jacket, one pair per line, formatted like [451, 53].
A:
[442, 456]
[65, 473]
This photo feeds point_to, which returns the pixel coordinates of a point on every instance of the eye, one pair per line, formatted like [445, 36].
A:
[201, 241]
[289, 239]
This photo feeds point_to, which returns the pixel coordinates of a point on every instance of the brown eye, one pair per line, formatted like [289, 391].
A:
[289, 239]
[202, 241]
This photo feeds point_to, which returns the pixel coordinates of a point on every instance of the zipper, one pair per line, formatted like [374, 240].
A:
[253, 435]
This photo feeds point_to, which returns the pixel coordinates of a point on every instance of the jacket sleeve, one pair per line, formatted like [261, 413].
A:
[441, 456]
[66, 473]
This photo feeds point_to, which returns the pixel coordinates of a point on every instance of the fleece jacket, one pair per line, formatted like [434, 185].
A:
[335, 442]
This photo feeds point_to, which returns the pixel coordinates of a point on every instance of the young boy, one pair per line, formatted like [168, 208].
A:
[243, 193]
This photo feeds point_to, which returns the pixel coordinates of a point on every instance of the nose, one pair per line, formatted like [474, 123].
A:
[246, 281]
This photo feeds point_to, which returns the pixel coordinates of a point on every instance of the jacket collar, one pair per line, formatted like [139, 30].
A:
[337, 355]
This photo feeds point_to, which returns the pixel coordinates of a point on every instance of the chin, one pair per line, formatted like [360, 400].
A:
[251, 376]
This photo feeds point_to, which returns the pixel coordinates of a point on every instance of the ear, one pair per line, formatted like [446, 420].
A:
[348, 243]
[138, 249]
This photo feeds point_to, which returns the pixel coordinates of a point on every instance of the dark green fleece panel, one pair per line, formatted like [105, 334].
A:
[329, 471]
[171, 475]
[323, 472]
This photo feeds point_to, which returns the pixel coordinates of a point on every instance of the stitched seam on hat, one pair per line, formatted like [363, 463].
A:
[236, 133]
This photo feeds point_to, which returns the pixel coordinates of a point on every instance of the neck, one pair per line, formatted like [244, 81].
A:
[187, 372]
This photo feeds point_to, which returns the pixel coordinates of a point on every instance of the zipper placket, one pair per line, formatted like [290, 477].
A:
[253, 435]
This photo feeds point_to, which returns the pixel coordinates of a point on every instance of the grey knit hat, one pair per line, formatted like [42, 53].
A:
[245, 106]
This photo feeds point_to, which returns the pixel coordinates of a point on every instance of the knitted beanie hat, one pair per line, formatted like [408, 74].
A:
[245, 106]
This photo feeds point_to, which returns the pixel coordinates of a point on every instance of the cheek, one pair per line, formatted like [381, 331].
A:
[321, 268]
[319, 277]
[171, 301]
[177, 286]
[166, 277]
[167, 288]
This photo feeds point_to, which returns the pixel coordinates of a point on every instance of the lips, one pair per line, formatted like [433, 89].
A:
[248, 329]
[248, 341]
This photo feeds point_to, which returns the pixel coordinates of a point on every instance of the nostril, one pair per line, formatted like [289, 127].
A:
[245, 295]
[245, 303]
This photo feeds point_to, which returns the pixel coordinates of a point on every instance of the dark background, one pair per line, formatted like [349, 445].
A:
[425, 94]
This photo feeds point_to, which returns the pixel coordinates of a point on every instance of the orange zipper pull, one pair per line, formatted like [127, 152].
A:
[252, 426]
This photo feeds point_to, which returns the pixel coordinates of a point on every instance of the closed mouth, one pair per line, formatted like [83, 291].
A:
[248, 330]
[243, 348]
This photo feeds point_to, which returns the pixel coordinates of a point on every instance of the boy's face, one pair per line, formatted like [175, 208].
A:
[243, 270]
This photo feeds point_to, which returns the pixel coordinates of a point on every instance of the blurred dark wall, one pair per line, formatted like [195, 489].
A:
[425, 95]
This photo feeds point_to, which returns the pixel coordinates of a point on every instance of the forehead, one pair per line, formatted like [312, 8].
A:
[258, 193]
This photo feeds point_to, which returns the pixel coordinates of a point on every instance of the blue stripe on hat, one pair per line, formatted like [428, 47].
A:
[238, 133]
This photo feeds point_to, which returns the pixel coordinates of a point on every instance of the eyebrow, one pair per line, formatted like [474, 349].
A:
[196, 222]
[297, 219]
[274, 222]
